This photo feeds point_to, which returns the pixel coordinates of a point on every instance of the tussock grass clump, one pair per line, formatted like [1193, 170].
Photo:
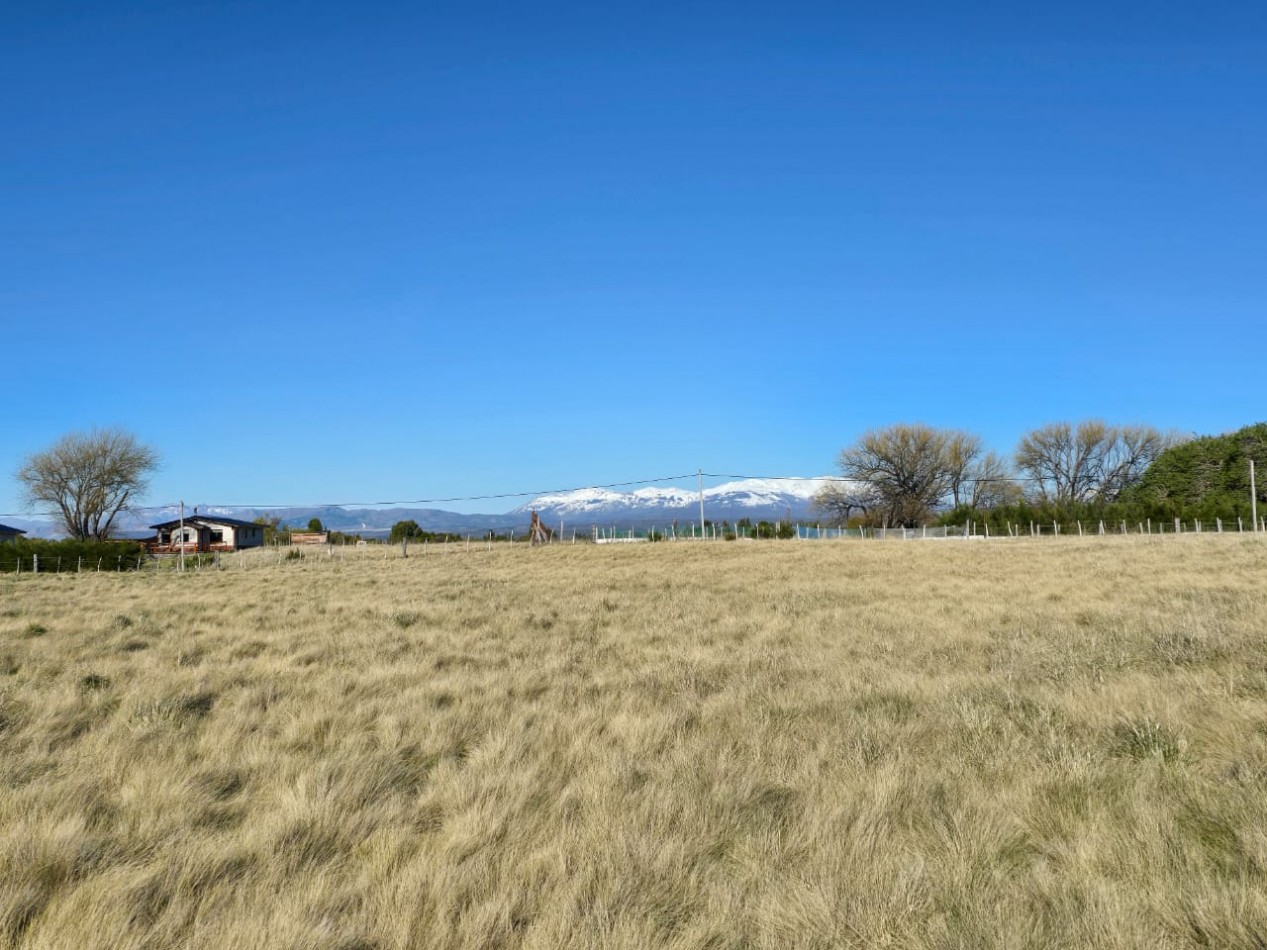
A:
[1144, 739]
[1011, 744]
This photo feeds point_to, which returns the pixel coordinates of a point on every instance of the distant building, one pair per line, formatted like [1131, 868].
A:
[310, 537]
[206, 533]
[9, 534]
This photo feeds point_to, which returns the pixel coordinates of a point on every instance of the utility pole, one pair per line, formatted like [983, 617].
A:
[1253, 495]
[701, 502]
[182, 535]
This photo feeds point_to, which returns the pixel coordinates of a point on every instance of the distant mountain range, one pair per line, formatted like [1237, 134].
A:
[756, 499]
[34, 527]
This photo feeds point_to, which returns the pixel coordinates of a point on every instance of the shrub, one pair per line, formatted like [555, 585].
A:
[71, 554]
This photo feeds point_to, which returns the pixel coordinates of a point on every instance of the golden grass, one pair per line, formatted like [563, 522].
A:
[1005, 744]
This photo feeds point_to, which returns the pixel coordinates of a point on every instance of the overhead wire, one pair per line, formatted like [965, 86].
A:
[524, 494]
[413, 501]
[846, 479]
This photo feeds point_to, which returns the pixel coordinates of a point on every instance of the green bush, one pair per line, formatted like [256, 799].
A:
[71, 555]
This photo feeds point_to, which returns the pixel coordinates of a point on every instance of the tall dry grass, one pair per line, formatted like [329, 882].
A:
[1010, 744]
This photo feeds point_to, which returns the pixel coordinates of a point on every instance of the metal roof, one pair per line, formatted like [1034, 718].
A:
[5, 529]
[208, 519]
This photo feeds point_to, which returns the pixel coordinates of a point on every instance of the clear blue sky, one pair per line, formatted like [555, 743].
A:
[324, 252]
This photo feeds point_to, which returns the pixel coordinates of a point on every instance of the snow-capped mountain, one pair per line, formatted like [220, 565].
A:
[755, 498]
[758, 499]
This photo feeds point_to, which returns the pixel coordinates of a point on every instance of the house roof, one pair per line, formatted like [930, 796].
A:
[5, 529]
[208, 519]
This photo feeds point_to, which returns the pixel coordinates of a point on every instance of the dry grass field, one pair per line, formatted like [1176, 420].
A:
[1006, 744]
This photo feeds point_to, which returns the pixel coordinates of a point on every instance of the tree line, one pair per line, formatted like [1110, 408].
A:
[899, 475]
[906, 475]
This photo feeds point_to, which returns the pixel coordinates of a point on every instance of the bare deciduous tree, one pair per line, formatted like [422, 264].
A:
[992, 484]
[910, 470]
[907, 467]
[1088, 462]
[88, 478]
[1060, 458]
[838, 500]
[1135, 448]
[963, 452]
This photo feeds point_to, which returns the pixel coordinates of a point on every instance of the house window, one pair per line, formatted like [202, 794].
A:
[217, 537]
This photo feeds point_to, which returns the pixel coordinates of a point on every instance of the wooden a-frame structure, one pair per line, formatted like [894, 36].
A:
[539, 533]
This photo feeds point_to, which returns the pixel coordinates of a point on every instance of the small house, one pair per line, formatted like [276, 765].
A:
[206, 533]
[9, 534]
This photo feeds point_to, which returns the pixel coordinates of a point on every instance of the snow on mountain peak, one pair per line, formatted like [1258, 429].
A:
[765, 494]
[774, 488]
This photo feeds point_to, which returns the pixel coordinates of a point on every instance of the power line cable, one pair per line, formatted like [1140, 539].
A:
[842, 478]
[414, 501]
[527, 494]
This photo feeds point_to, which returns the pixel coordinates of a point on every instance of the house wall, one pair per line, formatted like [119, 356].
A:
[199, 537]
[232, 537]
[226, 536]
[195, 537]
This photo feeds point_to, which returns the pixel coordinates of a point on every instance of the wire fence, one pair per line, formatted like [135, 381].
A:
[971, 530]
[15, 563]
[1035, 529]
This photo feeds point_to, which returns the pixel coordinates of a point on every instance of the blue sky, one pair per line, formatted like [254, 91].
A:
[317, 253]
